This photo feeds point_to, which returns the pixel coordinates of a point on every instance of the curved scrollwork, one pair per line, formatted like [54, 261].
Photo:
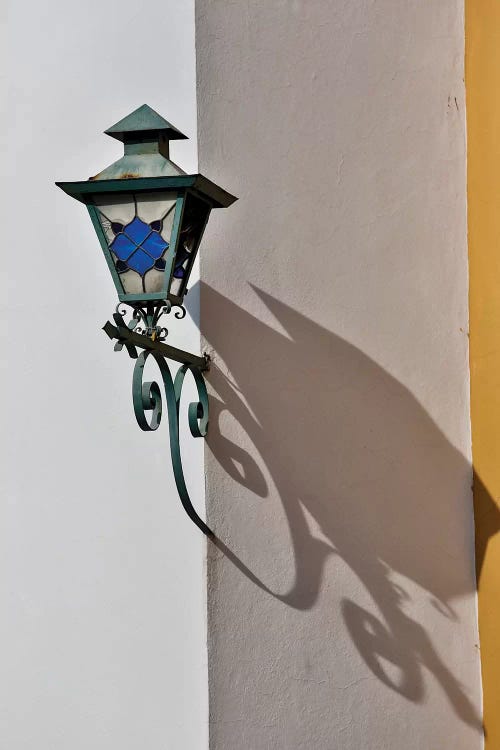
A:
[147, 398]
[145, 320]
[180, 313]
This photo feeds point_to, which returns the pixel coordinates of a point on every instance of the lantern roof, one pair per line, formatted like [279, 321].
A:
[145, 164]
[143, 120]
[145, 136]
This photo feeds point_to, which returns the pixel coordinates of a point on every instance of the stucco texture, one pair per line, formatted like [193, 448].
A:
[341, 589]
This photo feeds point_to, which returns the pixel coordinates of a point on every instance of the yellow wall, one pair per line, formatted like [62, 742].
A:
[483, 122]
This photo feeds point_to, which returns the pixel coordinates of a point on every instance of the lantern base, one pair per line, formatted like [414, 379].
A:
[145, 316]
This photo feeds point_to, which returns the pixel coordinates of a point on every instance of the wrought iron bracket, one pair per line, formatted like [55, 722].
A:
[146, 396]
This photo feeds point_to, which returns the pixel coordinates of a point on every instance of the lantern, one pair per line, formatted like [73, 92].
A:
[150, 217]
[148, 214]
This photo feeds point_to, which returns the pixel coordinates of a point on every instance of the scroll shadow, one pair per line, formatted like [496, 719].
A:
[487, 517]
[346, 442]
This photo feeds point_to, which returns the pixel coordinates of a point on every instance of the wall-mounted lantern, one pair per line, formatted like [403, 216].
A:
[150, 217]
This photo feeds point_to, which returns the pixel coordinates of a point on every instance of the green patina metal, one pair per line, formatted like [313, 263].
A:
[147, 397]
[83, 190]
[141, 120]
[126, 337]
[145, 168]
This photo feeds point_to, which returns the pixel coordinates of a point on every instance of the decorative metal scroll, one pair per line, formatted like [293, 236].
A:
[147, 396]
[145, 317]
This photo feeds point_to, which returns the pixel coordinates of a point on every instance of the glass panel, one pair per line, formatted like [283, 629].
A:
[138, 229]
[118, 211]
[153, 280]
[131, 282]
[193, 223]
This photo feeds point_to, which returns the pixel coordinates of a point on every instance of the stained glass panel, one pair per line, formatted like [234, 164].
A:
[138, 229]
[194, 218]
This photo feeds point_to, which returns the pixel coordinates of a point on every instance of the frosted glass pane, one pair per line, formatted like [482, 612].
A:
[175, 286]
[150, 207]
[131, 282]
[153, 281]
[119, 209]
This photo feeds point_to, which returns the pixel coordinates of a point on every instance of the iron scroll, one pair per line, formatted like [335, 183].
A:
[147, 398]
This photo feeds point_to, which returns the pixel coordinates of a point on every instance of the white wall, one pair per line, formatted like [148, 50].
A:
[334, 294]
[103, 599]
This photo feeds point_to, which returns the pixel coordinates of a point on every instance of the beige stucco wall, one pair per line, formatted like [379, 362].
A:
[341, 595]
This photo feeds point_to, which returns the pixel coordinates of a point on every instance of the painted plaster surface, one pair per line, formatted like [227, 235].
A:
[102, 575]
[341, 592]
[483, 119]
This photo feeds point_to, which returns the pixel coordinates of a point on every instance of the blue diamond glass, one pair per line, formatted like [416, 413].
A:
[137, 230]
[137, 246]
[122, 246]
[140, 261]
[155, 245]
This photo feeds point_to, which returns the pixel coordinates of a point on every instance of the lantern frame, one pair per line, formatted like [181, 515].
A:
[183, 185]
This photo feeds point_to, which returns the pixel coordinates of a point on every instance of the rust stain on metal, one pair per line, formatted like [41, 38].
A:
[124, 176]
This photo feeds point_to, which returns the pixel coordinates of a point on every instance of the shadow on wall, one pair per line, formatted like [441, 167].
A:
[343, 439]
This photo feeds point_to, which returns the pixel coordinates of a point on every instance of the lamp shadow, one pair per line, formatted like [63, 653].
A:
[349, 446]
